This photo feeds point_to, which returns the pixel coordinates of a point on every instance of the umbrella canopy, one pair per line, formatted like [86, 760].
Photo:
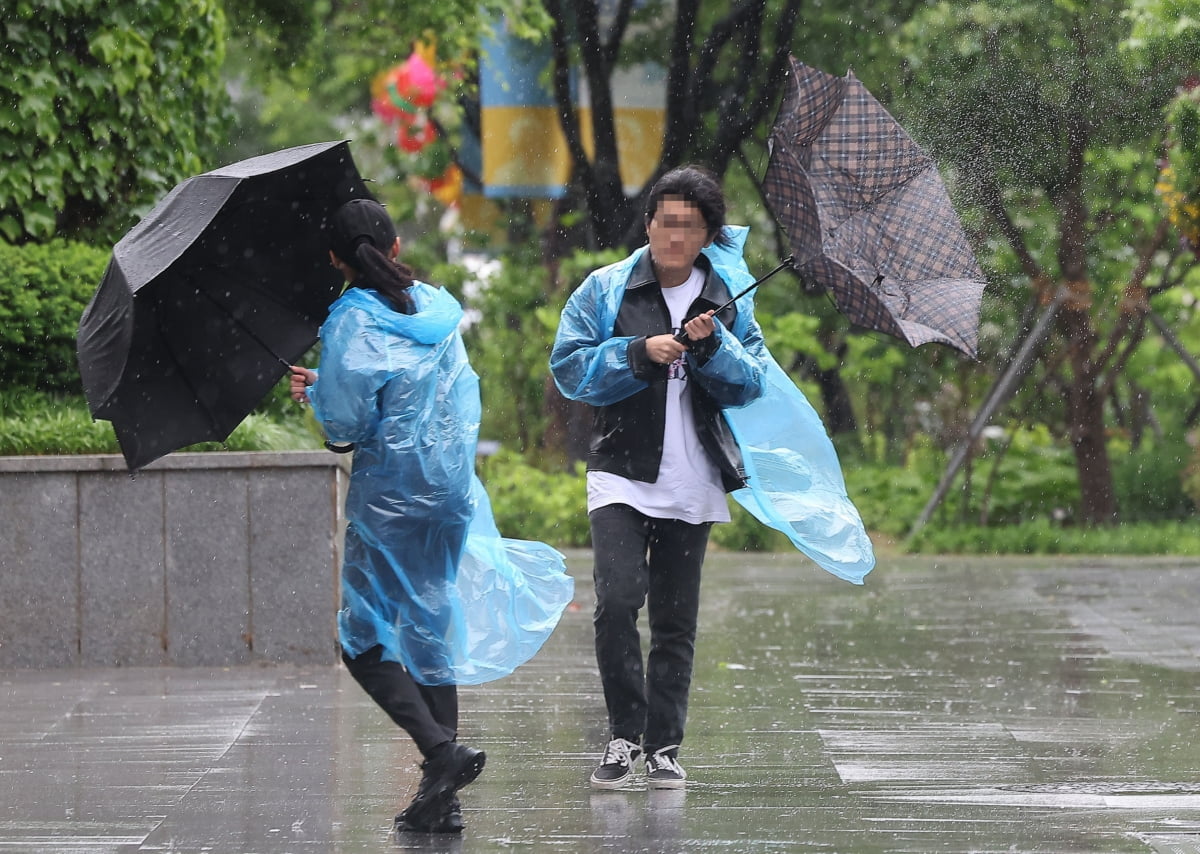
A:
[207, 300]
[868, 216]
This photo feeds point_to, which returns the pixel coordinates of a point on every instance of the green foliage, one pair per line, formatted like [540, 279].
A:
[510, 342]
[888, 499]
[303, 71]
[576, 267]
[1026, 476]
[531, 504]
[744, 533]
[1179, 180]
[103, 106]
[43, 292]
[1150, 481]
[1190, 478]
[1046, 538]
[38, 424]
[1164, 30]
[995, 81]
[510, 349]
[794, 333]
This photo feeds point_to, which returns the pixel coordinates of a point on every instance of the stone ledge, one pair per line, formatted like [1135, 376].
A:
[172, 462]
[198, 559]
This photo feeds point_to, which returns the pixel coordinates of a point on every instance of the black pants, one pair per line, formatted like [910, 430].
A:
[428, 713]
[640, 560]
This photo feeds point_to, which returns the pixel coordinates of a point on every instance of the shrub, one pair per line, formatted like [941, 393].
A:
[1150, 482]
[744, 533]
[36, 423]
[531, 504]
[889, 499]
[44, 289]
[1043, 537]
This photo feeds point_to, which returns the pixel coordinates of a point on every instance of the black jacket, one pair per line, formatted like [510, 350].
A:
[627, 436]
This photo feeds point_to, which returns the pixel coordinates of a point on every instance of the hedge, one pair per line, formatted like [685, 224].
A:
[44, 289]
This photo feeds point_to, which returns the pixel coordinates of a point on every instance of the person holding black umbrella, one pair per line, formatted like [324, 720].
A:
[394, 381]
[652, 344]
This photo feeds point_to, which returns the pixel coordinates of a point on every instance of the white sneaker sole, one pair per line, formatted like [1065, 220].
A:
[666, 784]
[621, 783]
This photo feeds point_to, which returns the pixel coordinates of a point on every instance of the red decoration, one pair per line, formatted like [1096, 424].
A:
[413, 136]
[405, 90]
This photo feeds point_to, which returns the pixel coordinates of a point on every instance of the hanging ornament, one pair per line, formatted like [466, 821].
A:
[447, 188]
[415, 135]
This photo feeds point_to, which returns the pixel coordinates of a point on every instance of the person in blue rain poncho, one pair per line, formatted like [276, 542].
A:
[688, 406]
[432, 596]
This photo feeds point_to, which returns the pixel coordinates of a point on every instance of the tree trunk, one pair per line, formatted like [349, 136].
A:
[1085, 420]
[1098, 502]
[1085, 403]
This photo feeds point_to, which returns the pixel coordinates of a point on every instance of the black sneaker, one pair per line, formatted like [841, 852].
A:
[450, 822]
[663, 771]
[616, 767]
[450, 768]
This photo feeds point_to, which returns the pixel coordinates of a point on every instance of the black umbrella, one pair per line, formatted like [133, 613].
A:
[208, 299]
[868, 216]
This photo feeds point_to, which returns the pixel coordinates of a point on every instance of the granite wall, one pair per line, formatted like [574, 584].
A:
[198, 559]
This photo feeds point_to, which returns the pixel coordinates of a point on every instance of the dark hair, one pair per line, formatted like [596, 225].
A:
[362, 232]
[696, 185]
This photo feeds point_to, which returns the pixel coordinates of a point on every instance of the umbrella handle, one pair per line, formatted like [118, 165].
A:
[682, 337]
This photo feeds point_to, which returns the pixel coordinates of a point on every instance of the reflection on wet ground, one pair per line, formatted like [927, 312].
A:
[948, 705]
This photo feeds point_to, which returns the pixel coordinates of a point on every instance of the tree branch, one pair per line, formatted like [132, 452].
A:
[993, 203]
[1134, 303]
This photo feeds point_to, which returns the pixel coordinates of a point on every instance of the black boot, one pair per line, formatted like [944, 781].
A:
[447, 770]
[450, 822]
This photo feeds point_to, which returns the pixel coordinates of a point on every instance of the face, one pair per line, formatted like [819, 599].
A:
[677, 234]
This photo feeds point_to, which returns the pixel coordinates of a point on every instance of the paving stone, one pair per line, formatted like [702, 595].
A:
[947, 705]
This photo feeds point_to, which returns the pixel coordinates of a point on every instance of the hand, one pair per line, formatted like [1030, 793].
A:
[700, 326]
[664, 349]
[301, 379]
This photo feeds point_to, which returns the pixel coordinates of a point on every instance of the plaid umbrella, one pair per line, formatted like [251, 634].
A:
[867, 215]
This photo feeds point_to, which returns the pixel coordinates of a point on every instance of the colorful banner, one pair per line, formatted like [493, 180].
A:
[524, 152]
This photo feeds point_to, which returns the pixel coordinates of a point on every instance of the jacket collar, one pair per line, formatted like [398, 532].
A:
[715, 290]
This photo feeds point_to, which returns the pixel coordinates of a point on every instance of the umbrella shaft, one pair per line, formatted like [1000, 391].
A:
[682, 337]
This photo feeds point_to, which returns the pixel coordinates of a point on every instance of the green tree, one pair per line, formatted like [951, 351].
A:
[725, 68]
[1052, 129]
[103, 106]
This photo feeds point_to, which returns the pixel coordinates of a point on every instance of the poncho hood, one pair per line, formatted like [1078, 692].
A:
[438, 312]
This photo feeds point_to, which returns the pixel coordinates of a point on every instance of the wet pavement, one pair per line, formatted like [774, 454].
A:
[949, 705]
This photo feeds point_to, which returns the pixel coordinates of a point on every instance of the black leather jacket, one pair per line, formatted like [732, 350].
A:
[627, 436]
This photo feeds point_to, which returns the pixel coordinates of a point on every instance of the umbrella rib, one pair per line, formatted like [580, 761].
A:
[253, 335]
[261, 291]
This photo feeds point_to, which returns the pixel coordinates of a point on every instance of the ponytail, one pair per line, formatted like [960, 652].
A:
[390, 278]
[360, 233]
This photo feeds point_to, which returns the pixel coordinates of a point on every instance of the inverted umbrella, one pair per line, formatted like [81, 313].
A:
[211, 296]
[867, 215]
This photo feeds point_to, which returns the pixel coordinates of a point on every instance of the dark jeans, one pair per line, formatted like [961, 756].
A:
[654, 562]
[428, 713]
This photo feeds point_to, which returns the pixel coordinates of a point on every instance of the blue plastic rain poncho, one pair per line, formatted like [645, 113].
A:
[795, 482]
[425, 573]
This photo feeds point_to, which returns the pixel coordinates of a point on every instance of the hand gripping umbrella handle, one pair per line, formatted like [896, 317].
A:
[682, 337]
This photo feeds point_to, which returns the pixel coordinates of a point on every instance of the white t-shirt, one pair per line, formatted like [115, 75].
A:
[689, 482]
